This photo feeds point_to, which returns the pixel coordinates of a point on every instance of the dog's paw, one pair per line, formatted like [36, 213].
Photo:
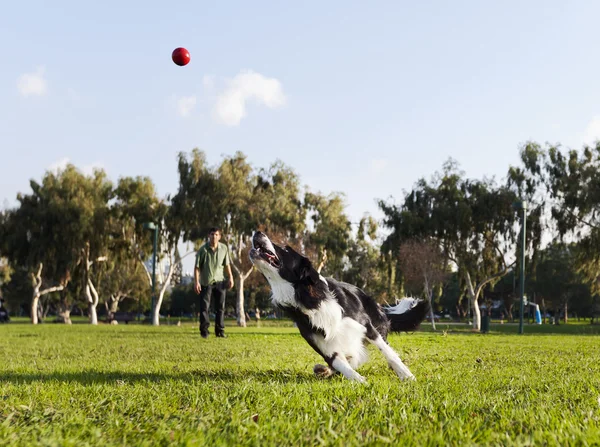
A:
[322, 371]
[360, 379]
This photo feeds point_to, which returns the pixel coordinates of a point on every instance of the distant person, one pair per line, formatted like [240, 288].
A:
[211, 261]
[4, 318]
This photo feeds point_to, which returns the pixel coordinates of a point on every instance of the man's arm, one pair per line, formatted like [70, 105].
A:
[197, 273]
[228, 267]
[197, 286]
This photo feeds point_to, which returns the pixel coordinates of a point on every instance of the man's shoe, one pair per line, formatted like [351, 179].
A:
[204, 334]
[222, 335]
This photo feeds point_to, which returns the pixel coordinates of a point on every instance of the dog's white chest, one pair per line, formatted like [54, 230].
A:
[328, 316]
[283, 293]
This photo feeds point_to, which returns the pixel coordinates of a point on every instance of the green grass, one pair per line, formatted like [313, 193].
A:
[140, 385]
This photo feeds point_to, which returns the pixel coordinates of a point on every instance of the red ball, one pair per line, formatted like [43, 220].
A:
[181, 56]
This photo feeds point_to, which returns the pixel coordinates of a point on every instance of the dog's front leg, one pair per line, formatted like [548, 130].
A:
[339, 363]
[393, 359]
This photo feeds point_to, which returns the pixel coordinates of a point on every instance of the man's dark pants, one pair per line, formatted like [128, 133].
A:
[216, 291]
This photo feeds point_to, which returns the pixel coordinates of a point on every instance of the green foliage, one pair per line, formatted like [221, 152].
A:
[331, 228]
[570, 185]
[17, 291]
[558, 282]
[473, 221]
[68, 219]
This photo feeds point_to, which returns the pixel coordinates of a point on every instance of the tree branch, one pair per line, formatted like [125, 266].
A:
[500, 274]
[580, 219]
[245, 276]
[51, 289]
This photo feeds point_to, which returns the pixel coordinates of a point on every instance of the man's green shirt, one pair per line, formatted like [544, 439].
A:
[211, 263]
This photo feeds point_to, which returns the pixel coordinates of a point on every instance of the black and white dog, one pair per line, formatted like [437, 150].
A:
[335, 318]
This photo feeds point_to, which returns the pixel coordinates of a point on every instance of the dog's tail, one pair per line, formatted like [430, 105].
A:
[407, 314]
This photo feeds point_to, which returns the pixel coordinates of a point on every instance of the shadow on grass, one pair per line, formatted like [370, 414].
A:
[124, 378]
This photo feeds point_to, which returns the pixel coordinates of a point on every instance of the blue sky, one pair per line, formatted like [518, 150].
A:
[358, 97]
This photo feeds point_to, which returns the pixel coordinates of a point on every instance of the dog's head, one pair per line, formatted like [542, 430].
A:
[271, 259]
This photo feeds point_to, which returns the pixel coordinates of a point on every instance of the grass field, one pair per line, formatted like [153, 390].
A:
[139, 385]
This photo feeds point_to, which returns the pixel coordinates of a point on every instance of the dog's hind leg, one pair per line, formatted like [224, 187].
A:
[340, 364]
[390, 355]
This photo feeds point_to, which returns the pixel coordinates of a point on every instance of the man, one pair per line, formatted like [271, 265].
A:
[211, 260]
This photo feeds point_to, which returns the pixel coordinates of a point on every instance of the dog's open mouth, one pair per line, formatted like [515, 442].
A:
[266, 255]
[261, 249]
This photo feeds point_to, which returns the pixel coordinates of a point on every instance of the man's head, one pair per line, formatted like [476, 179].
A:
[214, 235]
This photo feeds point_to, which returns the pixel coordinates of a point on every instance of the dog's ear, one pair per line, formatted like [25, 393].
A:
[308, 272]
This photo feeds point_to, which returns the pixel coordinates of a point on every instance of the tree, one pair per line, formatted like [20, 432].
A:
[234, 197]
[473, 222]
[423, 263]
[331, 230]
[136, 204]
[123, 277]
[5, 269]
[558, 282]
[571, 182]
[48, 231]
[364, 264]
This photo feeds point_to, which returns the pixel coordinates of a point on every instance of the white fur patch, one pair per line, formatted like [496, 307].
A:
[404, 305]
[327, 316]
[341, 365]
[393, 359]
[347, 341]
[283, 292]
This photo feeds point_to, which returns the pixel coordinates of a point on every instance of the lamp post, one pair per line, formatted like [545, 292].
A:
[522, 206]
[153, 227]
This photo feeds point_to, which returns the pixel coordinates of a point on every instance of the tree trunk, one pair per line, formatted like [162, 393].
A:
[161, 295]
[429, 295]
[164, 282]
[566, 311]
[392, 276]
[543, 311]
[241, 314]
[93, 314]
[323, 260]
[64, 315]
[38, 293]
[239, 305]
[431, 315]
[91, 295]
[112, 304]
[474, 295]
[35, 301]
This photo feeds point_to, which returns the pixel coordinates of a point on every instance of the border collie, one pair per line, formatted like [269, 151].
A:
[335, 318]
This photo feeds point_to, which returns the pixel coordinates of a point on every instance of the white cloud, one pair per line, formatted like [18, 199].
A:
[89, 169]
[59, 165]
[592, 131]
[247, 85]
[185, 105]
[32, 84]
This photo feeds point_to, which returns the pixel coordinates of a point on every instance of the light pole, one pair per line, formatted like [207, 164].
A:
[522, 206]
[152, 226]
